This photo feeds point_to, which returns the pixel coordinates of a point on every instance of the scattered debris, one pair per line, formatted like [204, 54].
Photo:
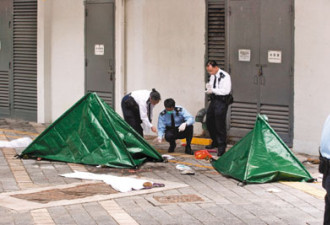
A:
[185, 170]
[149, 185]
[188, 172]
[168, 157]
[182, 167]
[273, 190]
[313, 160]
[203, 154]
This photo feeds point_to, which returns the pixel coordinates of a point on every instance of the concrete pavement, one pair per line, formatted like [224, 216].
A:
[204, 198]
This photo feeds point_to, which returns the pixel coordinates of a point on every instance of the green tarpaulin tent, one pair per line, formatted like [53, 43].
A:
[261, 156]
[91, 132]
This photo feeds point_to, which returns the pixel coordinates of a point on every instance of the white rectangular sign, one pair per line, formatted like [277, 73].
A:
[244, 55]
[274, 56]
[99, 50]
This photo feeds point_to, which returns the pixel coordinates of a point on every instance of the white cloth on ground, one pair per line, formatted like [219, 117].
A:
[17, 143]
[122, 184]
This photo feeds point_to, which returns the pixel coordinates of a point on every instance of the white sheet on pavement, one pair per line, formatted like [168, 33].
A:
[17, 143]
[122, 184]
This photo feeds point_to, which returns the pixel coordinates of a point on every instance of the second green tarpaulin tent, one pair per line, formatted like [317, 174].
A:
[261, 156]
[91, 132]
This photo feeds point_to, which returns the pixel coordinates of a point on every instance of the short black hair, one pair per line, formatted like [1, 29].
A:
[154, 95]
[212, 63]
[169, 103]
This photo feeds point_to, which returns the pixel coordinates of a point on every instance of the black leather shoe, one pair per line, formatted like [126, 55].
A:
[172, 147]
[221, 152]
[188, 150]
[211, 146]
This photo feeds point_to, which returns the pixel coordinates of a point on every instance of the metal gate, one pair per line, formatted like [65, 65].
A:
[18, 59]
[261, 64]
[100, 48]
[5, 56]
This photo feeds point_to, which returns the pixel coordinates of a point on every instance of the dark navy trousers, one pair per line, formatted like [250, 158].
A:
[131, 113]
[326, 185]
[216, 123]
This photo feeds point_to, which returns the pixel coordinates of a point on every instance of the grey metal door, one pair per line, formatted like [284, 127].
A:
[260, 49]
[18, 59]
[100, 49]
[5, 56]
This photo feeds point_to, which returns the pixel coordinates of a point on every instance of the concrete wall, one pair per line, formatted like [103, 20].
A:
[60, 56]
[165, 50]
[311, 77]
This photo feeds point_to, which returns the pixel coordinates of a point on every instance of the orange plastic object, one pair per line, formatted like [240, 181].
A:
[202, 154]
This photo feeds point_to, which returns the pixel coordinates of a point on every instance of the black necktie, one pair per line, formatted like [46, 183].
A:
[172, 120]
[148, 112]
[215, 80]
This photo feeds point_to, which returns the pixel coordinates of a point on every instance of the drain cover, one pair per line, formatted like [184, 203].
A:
[80, 191]
[178, 198]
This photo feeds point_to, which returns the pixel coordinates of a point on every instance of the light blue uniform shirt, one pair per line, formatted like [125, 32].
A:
[325, 139]
[181, 115]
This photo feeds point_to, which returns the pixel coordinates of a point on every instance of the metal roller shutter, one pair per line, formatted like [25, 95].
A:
[216, 41]
[4, 94]
[5, 56]
[25, 59]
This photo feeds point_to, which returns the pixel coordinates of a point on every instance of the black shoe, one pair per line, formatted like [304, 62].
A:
[211, 146]
[188, 150]
[221, 152]
[172, 147]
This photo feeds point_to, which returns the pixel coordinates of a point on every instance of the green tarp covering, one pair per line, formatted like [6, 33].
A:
[91, 132]
[261, 156]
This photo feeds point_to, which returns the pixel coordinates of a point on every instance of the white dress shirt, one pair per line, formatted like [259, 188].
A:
[141, 97]
[224, 86]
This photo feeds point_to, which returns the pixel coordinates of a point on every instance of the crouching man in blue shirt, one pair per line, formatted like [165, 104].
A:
[175, 122]
[325, 167]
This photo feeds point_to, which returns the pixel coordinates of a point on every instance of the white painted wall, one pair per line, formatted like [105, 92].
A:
[43, 59]
[120, 53]
[60, 56]
[165, 50]
[312, 77]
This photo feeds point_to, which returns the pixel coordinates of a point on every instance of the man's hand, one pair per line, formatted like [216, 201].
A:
[208, 88]
[182, 127]
[159, 140]
[209, 91]
[153, 129]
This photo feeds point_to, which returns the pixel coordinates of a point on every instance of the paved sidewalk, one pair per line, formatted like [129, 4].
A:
[204, 198]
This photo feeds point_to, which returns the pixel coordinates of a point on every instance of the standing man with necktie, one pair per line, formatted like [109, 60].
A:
[137, 109]
[175, 122]
[324, 167]
[218, 89]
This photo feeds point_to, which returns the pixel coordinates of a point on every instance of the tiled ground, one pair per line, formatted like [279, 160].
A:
[223, 201]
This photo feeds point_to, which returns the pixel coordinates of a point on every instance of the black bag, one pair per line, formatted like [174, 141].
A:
[230, 99]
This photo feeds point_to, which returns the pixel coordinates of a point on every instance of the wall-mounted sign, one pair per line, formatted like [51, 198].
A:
[244, 55]
[99, 50]
[274, 56]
